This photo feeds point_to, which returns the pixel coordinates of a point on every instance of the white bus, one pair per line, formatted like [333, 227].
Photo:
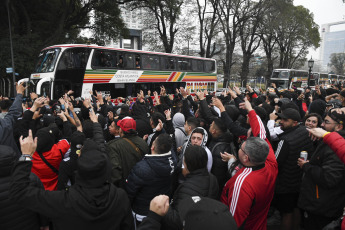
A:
[118, 72]
[288, 78]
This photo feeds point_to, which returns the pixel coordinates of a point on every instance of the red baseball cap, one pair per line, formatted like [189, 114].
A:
[127, 123]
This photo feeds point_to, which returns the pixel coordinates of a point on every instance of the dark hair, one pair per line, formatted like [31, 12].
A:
[88, 128]
[198, 130]
[5, 104]
[157, 116]
[195, 158]
[163, 143]
[319, 118]
[193, 122]
[220, 125]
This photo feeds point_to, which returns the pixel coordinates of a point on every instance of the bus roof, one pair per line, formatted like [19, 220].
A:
[121, 49]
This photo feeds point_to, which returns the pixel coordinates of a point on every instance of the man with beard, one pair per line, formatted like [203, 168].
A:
[323, 185]
[294, 140]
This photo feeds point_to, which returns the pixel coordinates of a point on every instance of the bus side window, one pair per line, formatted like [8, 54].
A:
[168, 63]
[197, 66]
[209, 66]
[137, 61]
[184, 64]
[150, 62]
[129, 60]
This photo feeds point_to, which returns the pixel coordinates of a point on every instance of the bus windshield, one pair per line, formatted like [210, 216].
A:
[280, 74]
[46, 60]
[281, 83]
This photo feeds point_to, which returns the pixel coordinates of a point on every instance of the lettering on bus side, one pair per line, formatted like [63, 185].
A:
[123, 76]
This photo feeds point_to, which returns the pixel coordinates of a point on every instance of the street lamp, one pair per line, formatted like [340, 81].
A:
[310, 65]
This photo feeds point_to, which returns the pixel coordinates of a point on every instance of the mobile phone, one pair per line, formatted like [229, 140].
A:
[58, 109]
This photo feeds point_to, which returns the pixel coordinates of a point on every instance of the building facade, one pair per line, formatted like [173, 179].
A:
[331, 42]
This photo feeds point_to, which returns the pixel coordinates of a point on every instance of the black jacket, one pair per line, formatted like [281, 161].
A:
[13, 216]
[219, 167]
[292, 142]
[106, 207]
[198, 183]
[150, 177]
[323, 184]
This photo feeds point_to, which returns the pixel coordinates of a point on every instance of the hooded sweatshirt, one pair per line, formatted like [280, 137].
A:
[104, 207]
[203, 144]
[13, 216]
[180, 134]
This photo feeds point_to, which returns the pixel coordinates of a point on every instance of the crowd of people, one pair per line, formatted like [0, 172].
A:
[242, 160]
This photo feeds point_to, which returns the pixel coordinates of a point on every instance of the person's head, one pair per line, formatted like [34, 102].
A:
[333, 103]
[155, 117]
[312, 120]
[88, 128]
[93, 166]
[127, 126]
[342, 97]
[253, 151]
[334, 121]
[195, 157]
[114, 129]
[162, 144]
[197, 137]
[5, 105]
[217, 128]
[191, 124]
[289, 118]
[45, 139]
[178, 120]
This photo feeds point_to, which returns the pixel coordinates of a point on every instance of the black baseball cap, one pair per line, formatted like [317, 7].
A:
[290, 113]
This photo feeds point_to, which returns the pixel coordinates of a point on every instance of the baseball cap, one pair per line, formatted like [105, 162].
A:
[337, 116]
[127, 123]
[290, 113]
[335, 103]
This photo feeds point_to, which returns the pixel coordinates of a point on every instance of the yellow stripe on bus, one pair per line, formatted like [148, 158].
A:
[177, 75]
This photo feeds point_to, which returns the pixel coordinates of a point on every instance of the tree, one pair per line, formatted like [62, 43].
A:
[337, 61]
[267, 31]
[227, 12]
[164, 16]
[208, 27]
[250, 19]
[39, 23]
[296, 32]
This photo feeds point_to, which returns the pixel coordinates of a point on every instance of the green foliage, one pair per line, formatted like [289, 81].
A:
[337, 61]
[39, 23]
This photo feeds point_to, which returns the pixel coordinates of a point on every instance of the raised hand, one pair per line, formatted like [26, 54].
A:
[160, 205]
[246, 105]
[28, 145]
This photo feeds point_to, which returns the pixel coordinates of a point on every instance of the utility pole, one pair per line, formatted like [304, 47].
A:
[10, 29]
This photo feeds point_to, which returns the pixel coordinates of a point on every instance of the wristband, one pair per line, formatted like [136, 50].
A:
[25, 157]
[325, 134]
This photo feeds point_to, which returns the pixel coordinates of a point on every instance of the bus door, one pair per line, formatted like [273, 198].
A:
[60, 87]
[71, 67]
[43, 87]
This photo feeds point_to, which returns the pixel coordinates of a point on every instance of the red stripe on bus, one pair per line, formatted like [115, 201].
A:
[171, 76]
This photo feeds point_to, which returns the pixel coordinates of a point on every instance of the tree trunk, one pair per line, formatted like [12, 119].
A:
[245, 68]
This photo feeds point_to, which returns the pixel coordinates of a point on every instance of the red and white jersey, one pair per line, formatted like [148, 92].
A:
[249, 192]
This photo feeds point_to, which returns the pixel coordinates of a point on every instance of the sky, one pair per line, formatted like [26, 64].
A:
[325, 11]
